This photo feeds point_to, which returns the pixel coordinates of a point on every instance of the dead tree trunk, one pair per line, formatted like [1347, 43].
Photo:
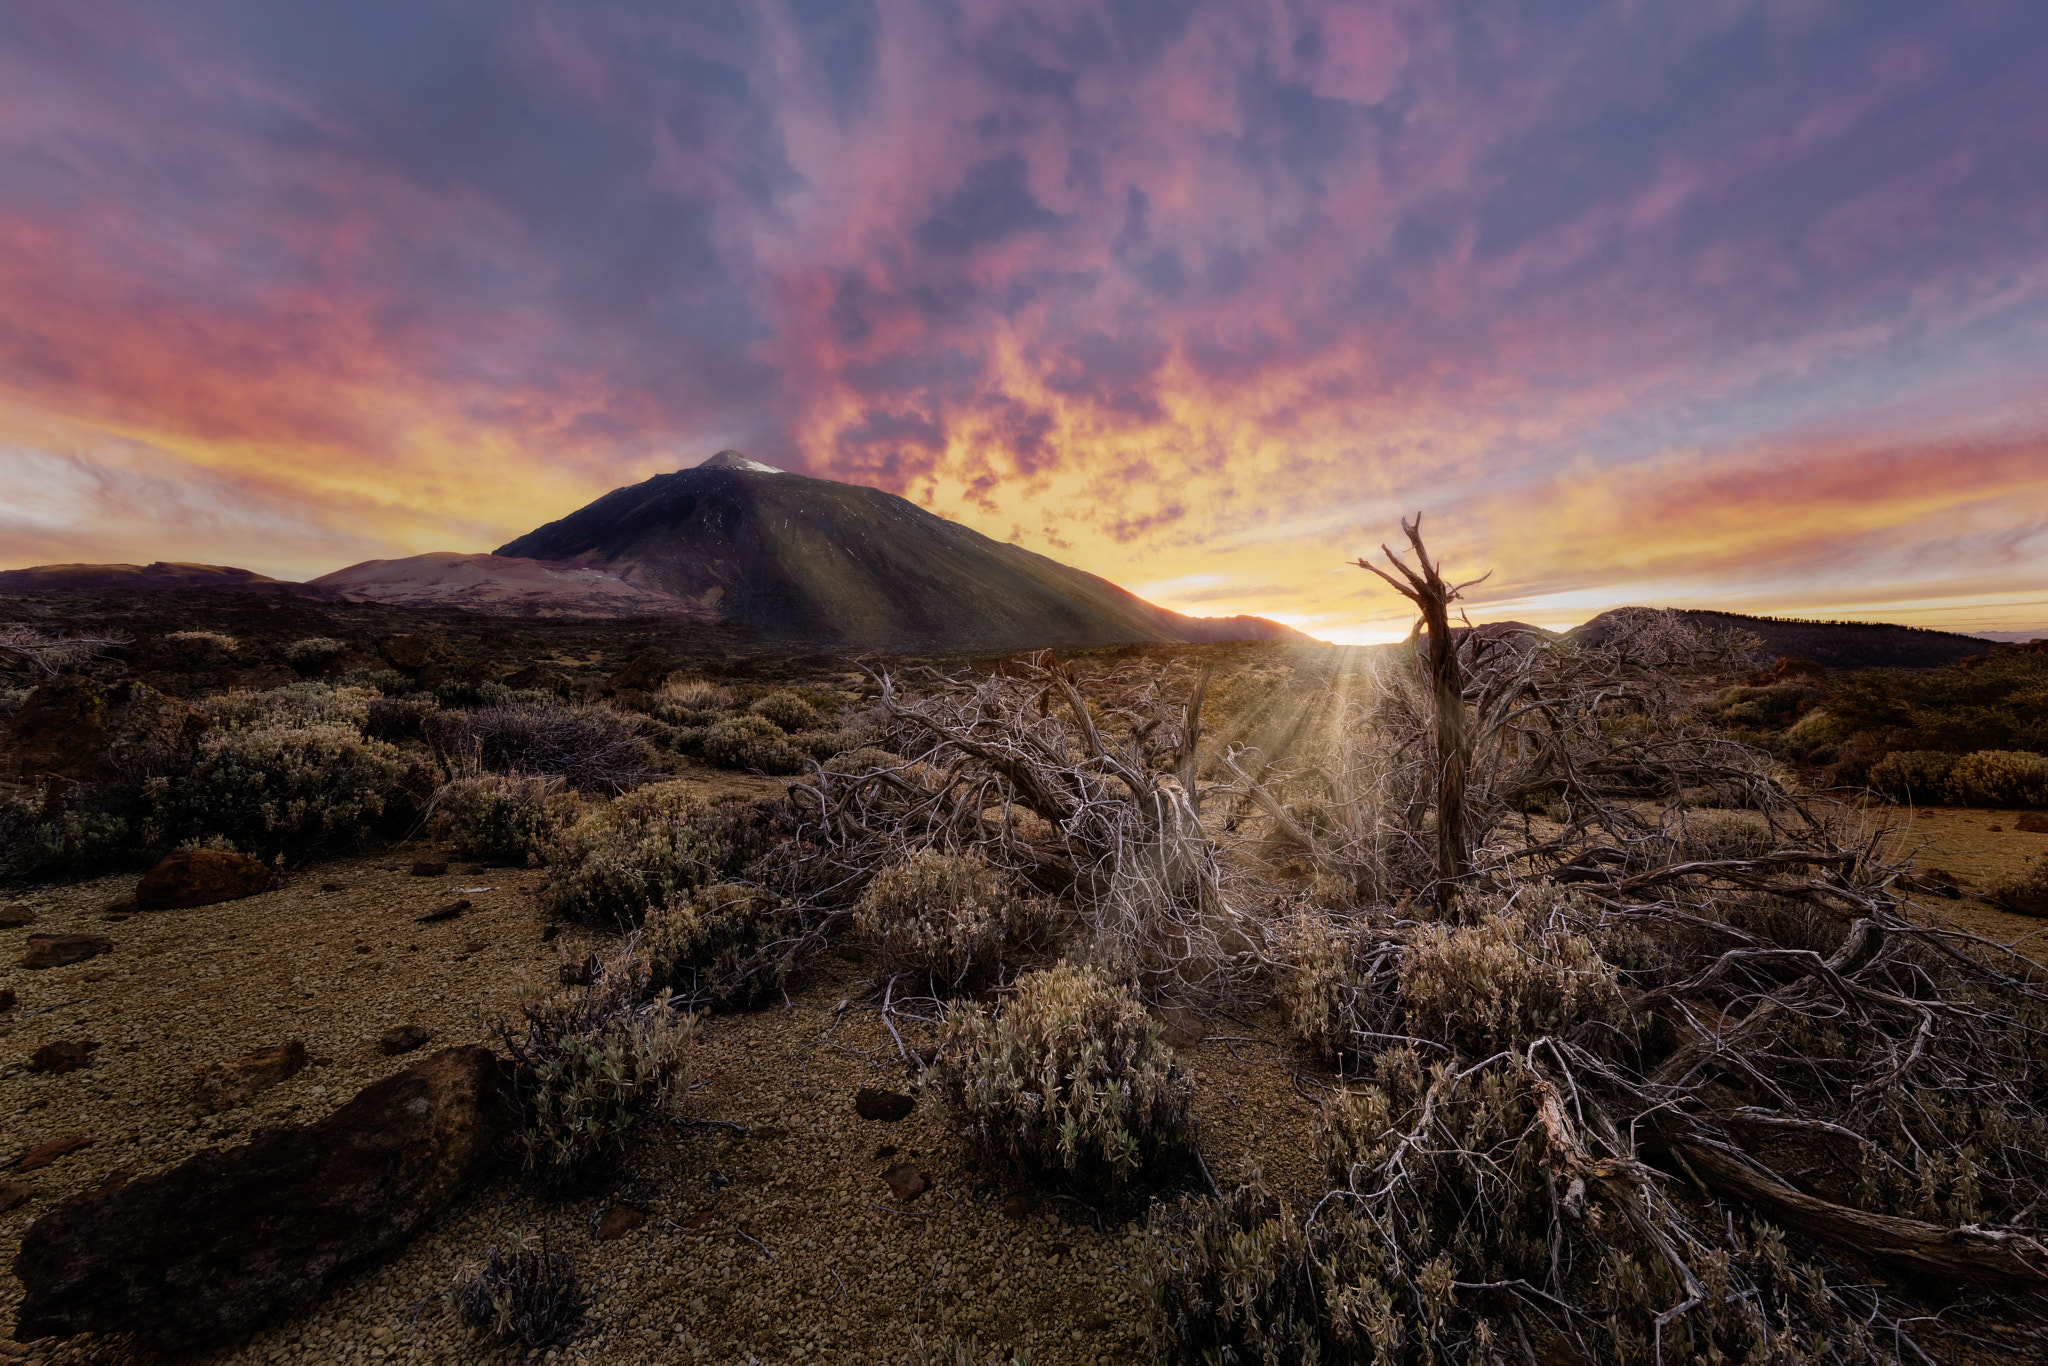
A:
[1433, 598]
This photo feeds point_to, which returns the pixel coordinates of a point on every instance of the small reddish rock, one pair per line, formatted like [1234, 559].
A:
[447, 912]
[57, 950]
[15, 916]
[15, 1194]
[1018, 1207]
[886, 1106]
[200, 877]
[403, 1039]
[906, 1182]
[7, 999]
[238, 1081]
[67, 1055]
[698, 1220]
[2033, 822]
[618, 1221]
[428, 868]
[43, 1154]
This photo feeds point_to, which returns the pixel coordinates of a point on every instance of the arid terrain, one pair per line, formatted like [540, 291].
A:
[1285, 947]
[847, 1274]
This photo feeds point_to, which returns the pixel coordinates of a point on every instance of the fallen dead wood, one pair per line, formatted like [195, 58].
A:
[1967, 1254]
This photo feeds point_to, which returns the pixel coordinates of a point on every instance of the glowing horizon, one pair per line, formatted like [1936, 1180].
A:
[1738, 305]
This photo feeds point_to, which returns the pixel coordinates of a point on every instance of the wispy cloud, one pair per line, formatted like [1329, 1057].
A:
[1617, 293]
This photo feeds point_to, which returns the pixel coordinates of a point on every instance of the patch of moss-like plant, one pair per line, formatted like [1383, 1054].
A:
[946, 916]
[648, 848]
[1071, 1078]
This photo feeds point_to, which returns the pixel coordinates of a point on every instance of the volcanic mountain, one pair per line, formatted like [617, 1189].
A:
[827, 564]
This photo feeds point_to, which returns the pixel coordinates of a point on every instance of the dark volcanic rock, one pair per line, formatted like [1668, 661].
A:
[200, 877]
[48, 1151]
[240, 1080]
[403, 1039]
[887, 1106]
[65, 1055]
[58, 950]
[15, 916]
[201, 1252]
[79, 728]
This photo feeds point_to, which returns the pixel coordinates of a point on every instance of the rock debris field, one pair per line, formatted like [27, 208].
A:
[759, 1229]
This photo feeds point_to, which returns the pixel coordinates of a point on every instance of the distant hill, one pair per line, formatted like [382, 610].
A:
[161, 576]
[499, 585]
[1836, 644]
[839, 565]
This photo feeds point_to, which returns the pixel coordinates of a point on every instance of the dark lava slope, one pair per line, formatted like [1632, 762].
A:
[1837, 644]
[832, 564]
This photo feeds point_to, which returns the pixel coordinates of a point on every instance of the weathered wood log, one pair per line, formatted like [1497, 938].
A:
[1967, 1254]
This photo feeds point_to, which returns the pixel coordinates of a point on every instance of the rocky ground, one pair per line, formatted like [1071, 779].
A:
[767, 1235]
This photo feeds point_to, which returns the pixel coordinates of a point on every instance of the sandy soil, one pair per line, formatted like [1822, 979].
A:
[782, 1245]
[1976, 845]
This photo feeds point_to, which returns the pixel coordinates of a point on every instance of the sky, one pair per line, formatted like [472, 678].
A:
[1720, 303]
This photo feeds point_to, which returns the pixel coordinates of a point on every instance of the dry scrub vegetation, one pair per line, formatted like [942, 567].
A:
[1638, 1050]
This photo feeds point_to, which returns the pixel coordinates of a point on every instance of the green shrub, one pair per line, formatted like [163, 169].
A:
[1233, 1281]
[1320, 989]
[690, 702]
[1517, 974]
[503, 818]
[787, 711]
[962, 1352]
[291, 789]
[1718, 834]
[729, 944]
[949, 916]
[591, 1063]
[398, 719]
[648, 848]
[532, 1297]
[865, 759]
[1999, 778]
[1913, 774]
[305, 703]
[313, 652]
[750, 743]
[1070, 1077]
[2001, 703]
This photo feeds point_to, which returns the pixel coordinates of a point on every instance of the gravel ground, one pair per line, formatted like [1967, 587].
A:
[781, 1244]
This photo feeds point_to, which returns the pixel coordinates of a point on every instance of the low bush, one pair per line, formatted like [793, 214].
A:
[398, 719]
[1071, 1077]
[2025, 893]
[305, 703]
[648, 848]
[313, 652]
[1994, 777]
[1320, 988]
[1913, 774]
[503, 818]
[750, 743]
[532, 1297]
[729, 944]
[588, 746]
[788, 711]
[1520, 972]
[948, 916]
[291, 789]
[690, 702]
[591, 1063]
[1767, 707]
[1722, 834]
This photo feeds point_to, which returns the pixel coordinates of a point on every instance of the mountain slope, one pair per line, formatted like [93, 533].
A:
[830, 563]
[159, 577]
[1836, 644]
[503, 586]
